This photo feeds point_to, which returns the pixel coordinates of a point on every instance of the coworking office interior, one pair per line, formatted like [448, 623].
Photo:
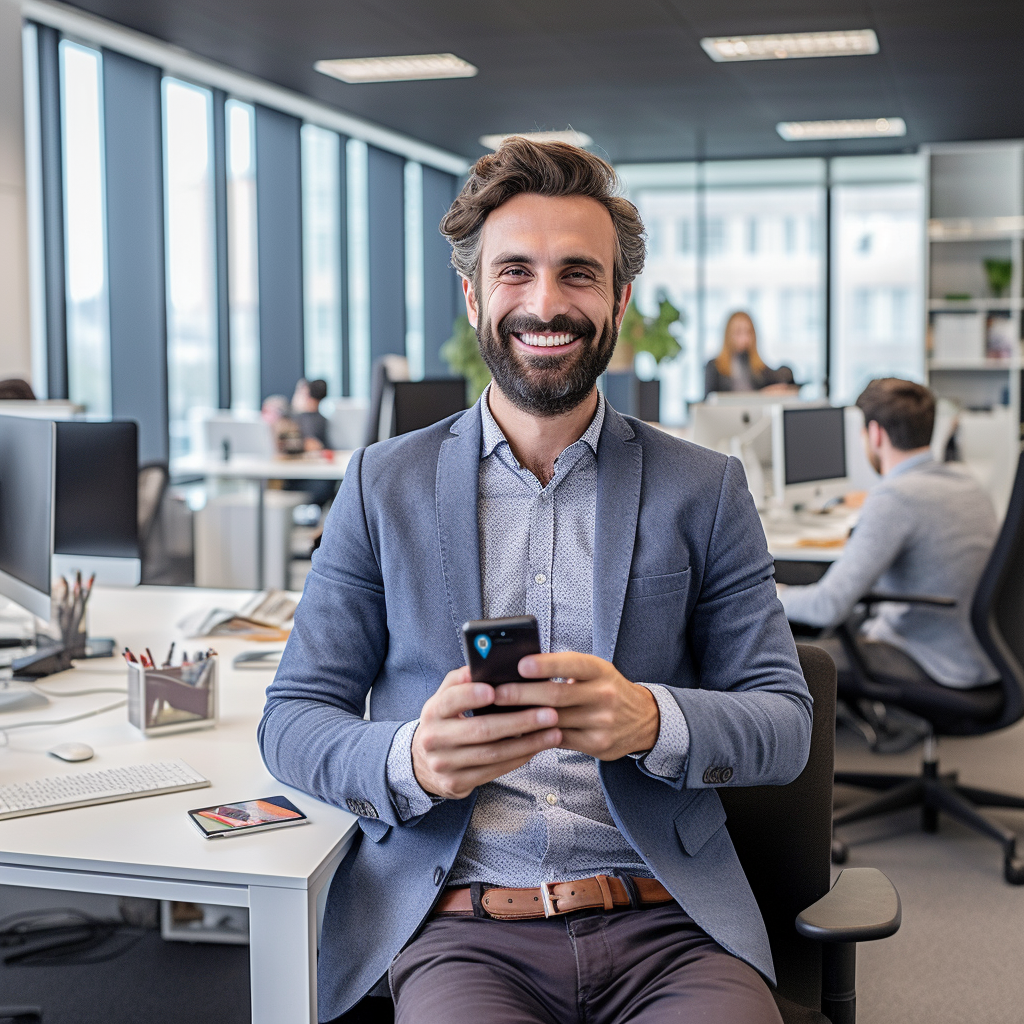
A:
[208, 206]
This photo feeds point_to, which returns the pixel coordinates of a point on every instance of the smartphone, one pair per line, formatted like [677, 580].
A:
[493, 649]
[247, 816]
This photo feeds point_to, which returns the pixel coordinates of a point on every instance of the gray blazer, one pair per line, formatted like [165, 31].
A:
[683, 595]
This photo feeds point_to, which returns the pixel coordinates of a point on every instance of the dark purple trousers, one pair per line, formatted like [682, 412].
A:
[588, 967]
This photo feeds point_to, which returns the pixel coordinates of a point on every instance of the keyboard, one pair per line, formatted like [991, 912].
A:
[83, 789]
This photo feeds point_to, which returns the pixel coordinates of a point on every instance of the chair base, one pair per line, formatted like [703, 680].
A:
[932, 792]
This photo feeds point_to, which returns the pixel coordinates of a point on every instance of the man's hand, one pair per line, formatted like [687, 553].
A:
[600, 712]
[452, 754]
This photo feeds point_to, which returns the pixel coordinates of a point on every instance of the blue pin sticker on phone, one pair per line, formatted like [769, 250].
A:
[483, 644]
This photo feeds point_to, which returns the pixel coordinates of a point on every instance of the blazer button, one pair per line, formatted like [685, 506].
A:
[438, 874]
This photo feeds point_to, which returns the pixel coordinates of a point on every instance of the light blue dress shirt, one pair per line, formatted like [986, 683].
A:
[547, 820]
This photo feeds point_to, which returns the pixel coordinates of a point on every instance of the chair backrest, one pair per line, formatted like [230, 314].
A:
[997, 612]
[783, 835]
[153, 478]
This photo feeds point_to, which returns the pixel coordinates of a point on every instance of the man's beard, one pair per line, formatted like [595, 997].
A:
[546, 385]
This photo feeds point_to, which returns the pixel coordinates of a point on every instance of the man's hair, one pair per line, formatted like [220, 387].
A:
[317, 389]
[545, 169]
[905, 410]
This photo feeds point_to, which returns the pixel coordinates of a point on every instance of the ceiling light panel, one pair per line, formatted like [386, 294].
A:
[418, 67]
[856, 42]
[863, 128]
[574, 138]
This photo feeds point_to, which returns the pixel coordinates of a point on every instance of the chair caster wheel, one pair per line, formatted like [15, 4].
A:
[840, 851]
[1013, 870]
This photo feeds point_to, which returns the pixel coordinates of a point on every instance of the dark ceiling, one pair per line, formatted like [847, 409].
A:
[629, 73]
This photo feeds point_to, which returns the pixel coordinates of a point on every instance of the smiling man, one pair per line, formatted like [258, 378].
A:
[566, 859]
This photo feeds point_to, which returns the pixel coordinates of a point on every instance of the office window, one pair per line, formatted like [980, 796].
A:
[878, 270]
[789, 235]
[673, 277]
[715, 238]
[191, 280]
[789, 292]
[414, 313]
[684, 236]
[752, 235]
[243, 278]
[654, 239]
[88, 312]
[358, 267]
[321, 254]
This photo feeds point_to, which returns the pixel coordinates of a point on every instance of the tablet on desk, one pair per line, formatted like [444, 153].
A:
[269, 812]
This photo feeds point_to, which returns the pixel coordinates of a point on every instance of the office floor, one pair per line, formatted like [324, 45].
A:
[957, 956]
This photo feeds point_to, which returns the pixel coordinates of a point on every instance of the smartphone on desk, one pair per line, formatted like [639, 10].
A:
[246, 816]
[493, 649]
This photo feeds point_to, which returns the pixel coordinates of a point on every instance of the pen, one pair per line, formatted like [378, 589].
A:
[152, 660]
[170, 655]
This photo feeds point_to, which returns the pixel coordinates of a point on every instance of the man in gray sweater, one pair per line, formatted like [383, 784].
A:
[926, 528]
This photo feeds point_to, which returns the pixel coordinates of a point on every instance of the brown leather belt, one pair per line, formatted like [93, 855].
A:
[553, 898]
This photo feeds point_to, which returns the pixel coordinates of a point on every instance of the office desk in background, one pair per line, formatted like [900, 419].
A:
[148, 847]
[804, 545]
[259, 470]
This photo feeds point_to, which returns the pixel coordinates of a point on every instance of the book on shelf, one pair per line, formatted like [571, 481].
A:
[999, 335]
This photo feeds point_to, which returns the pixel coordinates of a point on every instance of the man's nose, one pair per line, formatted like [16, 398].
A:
[547, 298]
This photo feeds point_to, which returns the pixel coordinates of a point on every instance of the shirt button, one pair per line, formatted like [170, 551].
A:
[551, 799]
[540, 578]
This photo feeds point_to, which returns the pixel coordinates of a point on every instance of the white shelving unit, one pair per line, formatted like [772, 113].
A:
[976, 204]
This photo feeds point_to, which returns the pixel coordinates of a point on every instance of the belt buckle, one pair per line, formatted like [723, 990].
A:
[548, 899]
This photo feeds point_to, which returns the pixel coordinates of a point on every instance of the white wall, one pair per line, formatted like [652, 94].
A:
[15, 344]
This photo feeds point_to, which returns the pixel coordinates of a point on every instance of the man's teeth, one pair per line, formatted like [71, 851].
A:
[547, 340]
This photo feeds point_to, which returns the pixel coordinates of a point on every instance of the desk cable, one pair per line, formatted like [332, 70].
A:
[4, 730]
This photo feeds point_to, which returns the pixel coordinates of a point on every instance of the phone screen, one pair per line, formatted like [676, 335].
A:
[493, 649]
[248, 814]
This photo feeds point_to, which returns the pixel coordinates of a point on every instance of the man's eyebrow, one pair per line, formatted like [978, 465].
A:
[567, 261]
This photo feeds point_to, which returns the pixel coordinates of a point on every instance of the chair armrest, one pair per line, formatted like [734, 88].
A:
[929, 599]
[862, 905]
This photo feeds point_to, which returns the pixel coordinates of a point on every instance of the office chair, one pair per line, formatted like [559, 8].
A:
[783, 837]
[997, 616]
[153, 480]
[385, 369]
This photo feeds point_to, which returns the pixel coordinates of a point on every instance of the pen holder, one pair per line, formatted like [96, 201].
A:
[165, 700]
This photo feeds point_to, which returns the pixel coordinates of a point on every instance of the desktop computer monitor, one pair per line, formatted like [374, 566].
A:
[96, 499]
[419, 403]
[809, 454]
[27, 460]
[227, 434]
[714, 426]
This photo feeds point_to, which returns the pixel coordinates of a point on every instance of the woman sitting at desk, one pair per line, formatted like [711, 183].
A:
[738, 367]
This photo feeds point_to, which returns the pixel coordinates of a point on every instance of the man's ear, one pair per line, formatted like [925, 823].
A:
[472, 309]
[624, 298]
[875, 433]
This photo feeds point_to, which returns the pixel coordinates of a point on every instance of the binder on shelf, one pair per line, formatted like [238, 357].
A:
[958, 335]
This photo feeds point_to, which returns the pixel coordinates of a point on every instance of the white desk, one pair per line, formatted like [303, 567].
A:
[313, 466]
[148, 847]
[807, 537]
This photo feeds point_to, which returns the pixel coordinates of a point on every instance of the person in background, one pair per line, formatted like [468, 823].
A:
[306, 412]
[287, 435]
[738, 367]
[926, 527]
[16, 389]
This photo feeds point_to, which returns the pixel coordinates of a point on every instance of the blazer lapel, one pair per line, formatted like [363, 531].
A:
[619, 466]
[458, 473]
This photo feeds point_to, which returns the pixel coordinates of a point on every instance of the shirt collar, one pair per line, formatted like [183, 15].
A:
[491, 435]
[909, 464]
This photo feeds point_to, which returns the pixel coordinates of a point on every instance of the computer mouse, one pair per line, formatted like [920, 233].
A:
[72, 751]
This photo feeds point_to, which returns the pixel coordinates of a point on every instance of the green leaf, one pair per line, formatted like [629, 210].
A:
[651, 333]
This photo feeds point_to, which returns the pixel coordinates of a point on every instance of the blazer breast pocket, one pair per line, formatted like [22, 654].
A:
[657, 586]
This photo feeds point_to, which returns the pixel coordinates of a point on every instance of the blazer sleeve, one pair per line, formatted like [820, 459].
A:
[749, 716]
[313, 735]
